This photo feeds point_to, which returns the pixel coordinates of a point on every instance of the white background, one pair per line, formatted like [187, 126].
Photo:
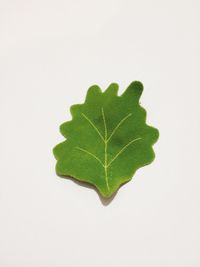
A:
[50, 53]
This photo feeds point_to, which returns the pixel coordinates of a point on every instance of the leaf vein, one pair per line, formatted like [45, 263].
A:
[105, 149]
[91, 154]
[92, 124]
[122, 150]
[118, 125]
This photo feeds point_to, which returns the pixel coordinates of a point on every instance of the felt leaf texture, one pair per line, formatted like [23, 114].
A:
[107, 139]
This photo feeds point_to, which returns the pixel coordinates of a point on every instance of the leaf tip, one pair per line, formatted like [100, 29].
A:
[93, 91]
[112, 89]
[134, 89]
[75, 109]
[137, 85]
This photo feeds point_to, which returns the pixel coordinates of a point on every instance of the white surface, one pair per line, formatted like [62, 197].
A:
[50, 53]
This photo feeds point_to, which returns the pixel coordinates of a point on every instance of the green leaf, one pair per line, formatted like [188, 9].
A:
[107, 139]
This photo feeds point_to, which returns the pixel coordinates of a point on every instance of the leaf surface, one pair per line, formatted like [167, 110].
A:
[107, 139]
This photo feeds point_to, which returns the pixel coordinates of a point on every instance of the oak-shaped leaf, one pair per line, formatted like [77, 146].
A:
[107, 139]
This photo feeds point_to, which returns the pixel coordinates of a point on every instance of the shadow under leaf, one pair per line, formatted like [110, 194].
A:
[104, 201]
